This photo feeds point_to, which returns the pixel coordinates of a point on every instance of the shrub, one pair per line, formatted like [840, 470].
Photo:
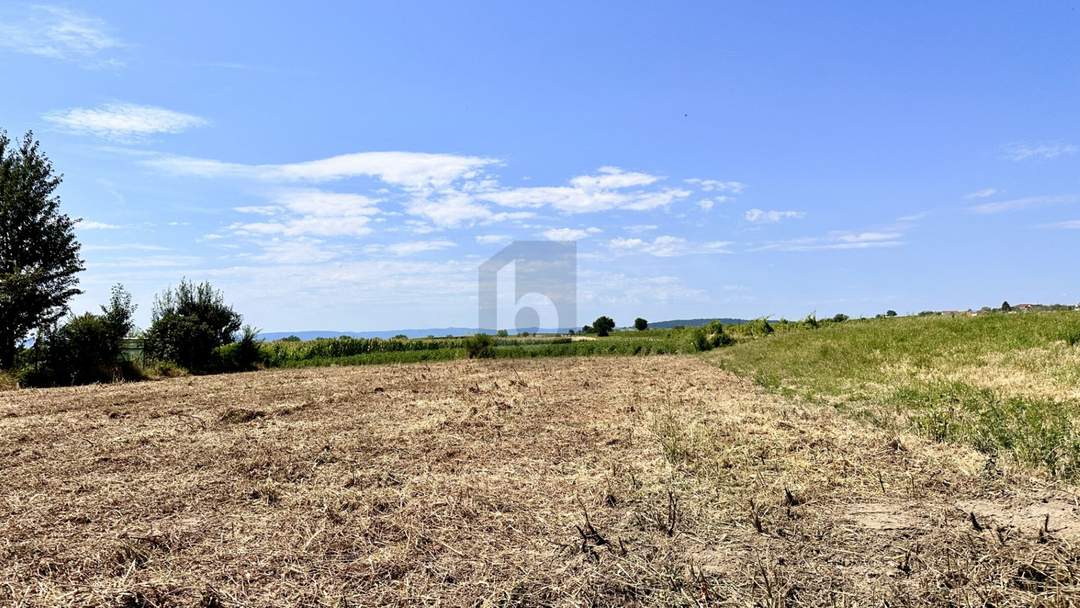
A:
[641, 324]
[188, 324]
[84, 350]
[502, 333]
[480, 346]
[811, 321]
[759, 327]
[840, 318]
[240, 356]
[291, 339]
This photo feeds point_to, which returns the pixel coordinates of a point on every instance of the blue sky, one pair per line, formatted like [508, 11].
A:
[348, 166]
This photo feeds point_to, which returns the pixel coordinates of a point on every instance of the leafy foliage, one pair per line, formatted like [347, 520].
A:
[188, 324]
[480, 346]
[603, 326]
[641, 324]
[85, 349]
[39, 256]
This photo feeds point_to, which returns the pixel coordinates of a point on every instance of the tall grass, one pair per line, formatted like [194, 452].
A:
[1003, 383]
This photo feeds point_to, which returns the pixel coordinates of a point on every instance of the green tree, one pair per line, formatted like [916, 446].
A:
[603, 326]
[641, 324]
[39, 256]
[839, 317]
[188, 323]
[1005, 306]
[890, 313]
[85, 349]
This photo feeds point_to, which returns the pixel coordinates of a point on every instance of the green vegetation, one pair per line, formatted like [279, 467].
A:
[1007, 384]
[480, 346]
[641, 324]
[188, 324]
[83, 350]
[603, 326]
[39, 256]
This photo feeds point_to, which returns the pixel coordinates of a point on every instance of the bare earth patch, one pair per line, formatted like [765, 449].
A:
[650, 481]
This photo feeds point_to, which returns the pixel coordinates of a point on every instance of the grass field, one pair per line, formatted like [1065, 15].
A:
[572, 481]
[1007, 384]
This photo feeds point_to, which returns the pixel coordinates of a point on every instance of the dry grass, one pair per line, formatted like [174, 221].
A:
[654, 481]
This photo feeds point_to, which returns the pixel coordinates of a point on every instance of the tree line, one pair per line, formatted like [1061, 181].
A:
[192, 327]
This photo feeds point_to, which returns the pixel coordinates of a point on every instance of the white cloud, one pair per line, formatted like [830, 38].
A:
[1022, 203]
[668, 246]
[91, 225]
[410, 247]
[640, 228]
[57, 33]
[411, 170]
[123, 121]
[838, 240]
[295, 251]
[713, 185]
[310, 212]
[612, 178]
[493, 239]
[1041, 150]
[569, 234]
[125, 247]
[1066, 225]
[759, 216]
[984, 193]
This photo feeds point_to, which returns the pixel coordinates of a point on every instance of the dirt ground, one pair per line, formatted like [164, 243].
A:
[596, 481]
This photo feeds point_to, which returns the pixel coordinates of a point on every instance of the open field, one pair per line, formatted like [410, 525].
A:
[1008, 384]
[651, 481]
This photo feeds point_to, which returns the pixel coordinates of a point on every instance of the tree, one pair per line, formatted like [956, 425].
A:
[188, 323]
[39, 256]
[85, 349]
[641, 324]
[890, 313]
[603, 326]
[839, 317]
[1005, 306]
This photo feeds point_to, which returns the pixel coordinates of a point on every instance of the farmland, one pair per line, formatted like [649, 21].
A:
[643, 480]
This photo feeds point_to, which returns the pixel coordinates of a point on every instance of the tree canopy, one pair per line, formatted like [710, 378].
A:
[39, 256]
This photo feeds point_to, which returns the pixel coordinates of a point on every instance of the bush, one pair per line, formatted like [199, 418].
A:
[240, 356]
[759, 327]
[84, 350]
[641, 324]
[480, 346]
[291, 339]
[502, 333]
[840, 317]
[709, 336]
[189, 324]
[811, 321]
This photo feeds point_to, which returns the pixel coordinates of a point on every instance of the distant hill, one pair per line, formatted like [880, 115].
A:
[463, 331]
[390, 333]
[694, 322]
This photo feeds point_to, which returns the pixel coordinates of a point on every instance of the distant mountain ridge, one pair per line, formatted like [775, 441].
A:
[463, 331]
[696, 322]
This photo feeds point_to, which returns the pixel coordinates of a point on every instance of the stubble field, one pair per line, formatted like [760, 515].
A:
[651, 481]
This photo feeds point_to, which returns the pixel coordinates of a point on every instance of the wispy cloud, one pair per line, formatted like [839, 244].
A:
[759, 216]
[611, 188]
[837, 240]
[569, 234]
[1039, 150]
[668, 246]
[58, 33]
[408, 248]
[1017, 204]
[413, 170]
[978, 194]
[713, 185]
[123, 121]
[493, 239]
[311, 213]
[92, 225]
[1066, 225]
